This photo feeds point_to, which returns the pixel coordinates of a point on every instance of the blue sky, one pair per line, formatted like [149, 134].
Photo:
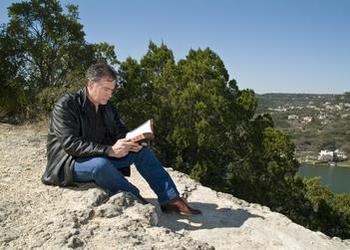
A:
[290, 46]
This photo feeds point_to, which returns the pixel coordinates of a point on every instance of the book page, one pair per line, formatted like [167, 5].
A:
[144, 128]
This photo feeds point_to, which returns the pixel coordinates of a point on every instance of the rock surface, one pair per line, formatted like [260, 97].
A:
[33, 215]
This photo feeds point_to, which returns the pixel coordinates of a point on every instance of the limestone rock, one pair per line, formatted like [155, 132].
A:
[33, 215]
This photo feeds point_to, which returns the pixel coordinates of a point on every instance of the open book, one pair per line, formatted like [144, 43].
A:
[142, 133]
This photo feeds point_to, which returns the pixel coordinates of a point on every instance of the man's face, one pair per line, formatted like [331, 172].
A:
[101, 91]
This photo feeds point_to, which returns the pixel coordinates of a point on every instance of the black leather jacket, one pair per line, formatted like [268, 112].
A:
[70, 136]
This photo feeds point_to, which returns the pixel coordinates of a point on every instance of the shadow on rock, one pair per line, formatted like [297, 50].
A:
[81, 186]
[212, 217]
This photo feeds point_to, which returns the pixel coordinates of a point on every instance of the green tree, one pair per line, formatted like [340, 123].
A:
[210, 114]
[331, 212]
[49, 43]
[144, 93]
[10, 81]
[195, 108]
[44, 54]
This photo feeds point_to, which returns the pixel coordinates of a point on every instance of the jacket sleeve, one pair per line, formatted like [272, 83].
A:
[66, 127]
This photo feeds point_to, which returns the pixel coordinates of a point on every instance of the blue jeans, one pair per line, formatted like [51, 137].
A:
[104, 172]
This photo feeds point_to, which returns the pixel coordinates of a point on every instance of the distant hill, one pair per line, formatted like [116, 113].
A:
[313, 121]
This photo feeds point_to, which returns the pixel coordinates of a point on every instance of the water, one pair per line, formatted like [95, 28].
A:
[337, 178]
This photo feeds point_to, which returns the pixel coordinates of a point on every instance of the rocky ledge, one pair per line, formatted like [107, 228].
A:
[33, 215]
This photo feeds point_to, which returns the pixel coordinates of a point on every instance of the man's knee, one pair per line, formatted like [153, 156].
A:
[102, 167]
[144, 152]
[146, 157]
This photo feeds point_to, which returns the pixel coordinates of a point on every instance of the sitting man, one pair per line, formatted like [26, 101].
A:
[86, 142]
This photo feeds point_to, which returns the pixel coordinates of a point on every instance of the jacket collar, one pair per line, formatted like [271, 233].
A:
[83, 97]
[84, 100]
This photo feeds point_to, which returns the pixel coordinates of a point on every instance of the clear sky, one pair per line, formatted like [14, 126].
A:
[294, 46]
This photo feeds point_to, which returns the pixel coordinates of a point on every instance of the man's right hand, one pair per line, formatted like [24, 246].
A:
[122, 147]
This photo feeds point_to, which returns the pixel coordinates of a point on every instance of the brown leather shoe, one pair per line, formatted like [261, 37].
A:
[178, 205]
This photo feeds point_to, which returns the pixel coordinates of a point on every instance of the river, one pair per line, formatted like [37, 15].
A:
[338, 178]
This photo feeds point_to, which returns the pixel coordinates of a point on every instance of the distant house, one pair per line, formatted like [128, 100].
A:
[312, 107]
[341, 156]
[338, 107]
[328, 155]
[325, 155]
[278, 109]
[329, 107]
[293, 117]
[307, 119]
[322, 116]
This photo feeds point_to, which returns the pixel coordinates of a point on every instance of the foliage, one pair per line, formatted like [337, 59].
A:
[45, 40]
[331, 213]
[208, 128]
[42, 47]
[10, 82]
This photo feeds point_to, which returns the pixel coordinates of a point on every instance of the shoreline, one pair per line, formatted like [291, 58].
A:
[342, 164]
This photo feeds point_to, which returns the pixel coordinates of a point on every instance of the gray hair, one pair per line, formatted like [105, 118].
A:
[100, 70]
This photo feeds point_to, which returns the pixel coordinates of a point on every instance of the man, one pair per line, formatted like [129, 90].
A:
[86, 142]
